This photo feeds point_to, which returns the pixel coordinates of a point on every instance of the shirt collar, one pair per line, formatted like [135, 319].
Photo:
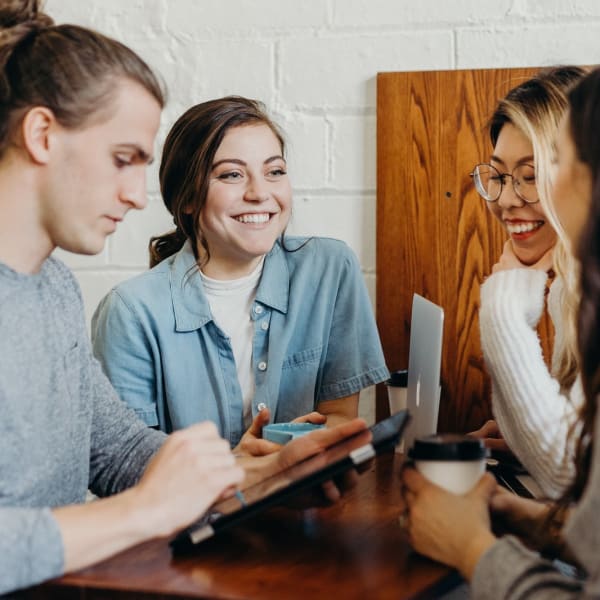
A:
[190, 304]
[274, 287]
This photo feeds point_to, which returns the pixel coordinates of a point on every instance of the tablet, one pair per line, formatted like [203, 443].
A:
[306, 474]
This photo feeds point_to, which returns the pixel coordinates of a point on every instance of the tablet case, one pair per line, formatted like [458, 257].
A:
[333, 461]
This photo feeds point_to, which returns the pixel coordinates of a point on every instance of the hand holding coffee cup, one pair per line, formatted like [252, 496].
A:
[454, 462]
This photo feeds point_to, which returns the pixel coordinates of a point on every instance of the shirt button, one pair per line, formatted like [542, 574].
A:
[258, 309]
[264, 326]
[261, 406]
[262, 366]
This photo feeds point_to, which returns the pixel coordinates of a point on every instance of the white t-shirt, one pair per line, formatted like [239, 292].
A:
[230, 303]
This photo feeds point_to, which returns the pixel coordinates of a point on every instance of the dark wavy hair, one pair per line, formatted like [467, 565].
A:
[187, 160]
[584, 126]
[69, 69]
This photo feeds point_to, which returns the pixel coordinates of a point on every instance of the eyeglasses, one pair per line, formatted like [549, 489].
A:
[489, 182]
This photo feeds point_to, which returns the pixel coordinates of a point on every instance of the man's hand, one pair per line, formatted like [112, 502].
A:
[191, 470]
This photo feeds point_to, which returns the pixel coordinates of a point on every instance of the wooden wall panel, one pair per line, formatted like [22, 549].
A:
[434, 234]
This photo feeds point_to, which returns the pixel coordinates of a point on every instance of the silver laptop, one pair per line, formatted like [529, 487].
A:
[424, 365]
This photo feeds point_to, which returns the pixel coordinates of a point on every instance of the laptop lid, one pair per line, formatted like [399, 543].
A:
[424, 365]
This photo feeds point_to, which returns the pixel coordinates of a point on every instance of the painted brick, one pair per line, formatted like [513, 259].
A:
[123, 20]
[376, 13]
[353, 151]
[306, 149]
[81, 261]
[242, 16]
[371, 283]
[529, 45]
[350, 218]
[339, 72]
[96, 284]
[206, 70]
[551, 9]
[128, 246]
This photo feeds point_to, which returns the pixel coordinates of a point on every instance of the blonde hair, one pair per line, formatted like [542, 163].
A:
[536, 108]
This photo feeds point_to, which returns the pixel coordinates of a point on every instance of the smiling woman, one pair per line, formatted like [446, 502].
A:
[248, 204]
[534, 407]
[456, 529]
[517, 205]
[237, 322]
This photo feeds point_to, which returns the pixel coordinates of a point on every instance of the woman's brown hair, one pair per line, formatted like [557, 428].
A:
[186, 164]
[584, 126]
[69, 69]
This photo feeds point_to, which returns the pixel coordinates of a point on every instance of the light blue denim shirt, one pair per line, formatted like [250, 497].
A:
[315, 339]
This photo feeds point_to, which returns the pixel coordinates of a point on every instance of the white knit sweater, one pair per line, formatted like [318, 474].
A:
[533, 414]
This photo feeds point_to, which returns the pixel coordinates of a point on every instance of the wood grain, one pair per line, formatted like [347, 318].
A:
[355, 549]
[435, 235]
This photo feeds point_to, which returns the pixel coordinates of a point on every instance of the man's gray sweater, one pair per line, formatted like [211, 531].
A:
[62, 427]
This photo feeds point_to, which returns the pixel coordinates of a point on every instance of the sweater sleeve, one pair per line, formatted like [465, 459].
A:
[509, 571]
[532, 413]
[31, 547]
[121, 444]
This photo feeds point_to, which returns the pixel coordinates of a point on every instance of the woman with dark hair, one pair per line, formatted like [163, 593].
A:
[456, 529]
[237, 322]
[533, 406]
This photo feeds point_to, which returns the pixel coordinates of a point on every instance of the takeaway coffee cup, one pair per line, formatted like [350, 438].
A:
[454, 462]
[396, 388]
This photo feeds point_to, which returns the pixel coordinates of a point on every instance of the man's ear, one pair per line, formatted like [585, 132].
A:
[36, 128]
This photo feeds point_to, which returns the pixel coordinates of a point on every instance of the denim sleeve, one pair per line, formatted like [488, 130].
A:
[354, 358]
[126, 354]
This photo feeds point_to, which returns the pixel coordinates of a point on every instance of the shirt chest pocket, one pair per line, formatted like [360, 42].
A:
[299, 383]
[305, 359]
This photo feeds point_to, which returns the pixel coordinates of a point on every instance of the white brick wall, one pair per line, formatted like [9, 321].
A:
[314, 63]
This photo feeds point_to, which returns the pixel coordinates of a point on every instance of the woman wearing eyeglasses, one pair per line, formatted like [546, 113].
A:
[533, 407]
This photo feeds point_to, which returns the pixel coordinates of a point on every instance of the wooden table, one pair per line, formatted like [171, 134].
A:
[354, 549]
